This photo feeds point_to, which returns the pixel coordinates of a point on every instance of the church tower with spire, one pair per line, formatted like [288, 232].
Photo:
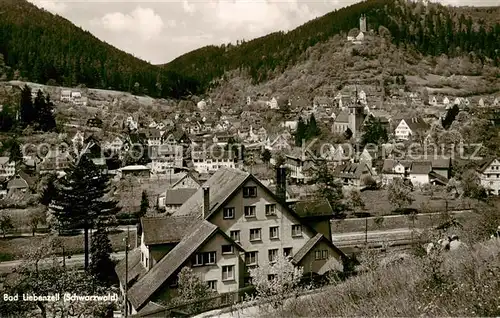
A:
[362, 23]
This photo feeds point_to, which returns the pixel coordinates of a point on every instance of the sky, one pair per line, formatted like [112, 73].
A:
[158, 31]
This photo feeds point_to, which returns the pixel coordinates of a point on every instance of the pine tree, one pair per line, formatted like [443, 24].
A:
[82, 200]
[101, 266]
[27, 111]
[312, 128]
[144, 204]
[300, 133]
[44, 110]
[15, 153]
[48, 191]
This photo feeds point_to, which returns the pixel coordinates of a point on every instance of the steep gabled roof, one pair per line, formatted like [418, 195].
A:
[342, 117]
[307, 209]
[178, 196]
[416, 124]
[145, 287]
[166, 229]
[306, 248]
[351, 170]
[135, 268]
[187, 175]
[486, 164]
[421, 167]
[222, 184]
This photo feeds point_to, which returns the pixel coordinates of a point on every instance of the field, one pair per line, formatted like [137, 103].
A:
[377, 204]
[15, 247]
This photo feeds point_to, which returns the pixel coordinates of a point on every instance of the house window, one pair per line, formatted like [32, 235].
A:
[270, 209]
[319, 255]
[212, 285]
[287, 252]
[251, 258]
[250, 211]
[198, 260]
[228, 213]
[273, 255]
[146, 262]
[255, 235]
[227, 249]
[235, 235]
[274, 232]
[249, 192]
[228, 272]
[296, 230]
[271, 276]
[207, 258]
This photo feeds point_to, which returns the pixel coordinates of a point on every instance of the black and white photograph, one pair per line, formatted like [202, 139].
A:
[249, 158]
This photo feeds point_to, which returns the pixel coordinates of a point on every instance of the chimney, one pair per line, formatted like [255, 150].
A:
[281, 183]
[206, 201]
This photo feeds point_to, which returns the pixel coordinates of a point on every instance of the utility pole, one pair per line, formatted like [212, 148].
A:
[366, 231]
[126, 272]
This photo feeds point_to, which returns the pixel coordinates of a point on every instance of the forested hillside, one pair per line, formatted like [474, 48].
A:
[42, 47]
[433, 30]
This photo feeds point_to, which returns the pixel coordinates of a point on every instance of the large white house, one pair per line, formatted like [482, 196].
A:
[489, 174]
[408, 127]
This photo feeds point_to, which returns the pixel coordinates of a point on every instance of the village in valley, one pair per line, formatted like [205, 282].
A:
[226, 190]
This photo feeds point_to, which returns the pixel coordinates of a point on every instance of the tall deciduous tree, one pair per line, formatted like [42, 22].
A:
[83, 199]
[328, 187]
[274, 283]
[399, 193]
[15, 153]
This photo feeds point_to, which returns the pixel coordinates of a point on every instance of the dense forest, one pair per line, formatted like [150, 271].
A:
[46, 48]
[432, 30]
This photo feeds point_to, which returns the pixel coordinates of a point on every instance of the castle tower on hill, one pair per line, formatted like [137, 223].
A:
[362, 23]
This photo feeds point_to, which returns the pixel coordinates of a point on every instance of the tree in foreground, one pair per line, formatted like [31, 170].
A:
[399, 193]
[26, 109]
[327, 187]
[41, 273]
[191, 289]
[373, 132]
[6, 224]
[101, 265]
[276, 282]
[83, 200]
[266, 155]
[356, 201]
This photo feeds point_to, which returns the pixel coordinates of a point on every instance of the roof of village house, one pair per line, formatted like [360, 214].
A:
[416, 123]
[140, 292]
[135, 268]
[421, 167]
[313, 208]
[389, 164]
[350, 170]
[162, 230]
[178, 196]
[188, 174]
[17, 182]
[152, 133]
[306, 248]
[485, 164]
[222, 184]
[342, 117]
[4, 160]
[134, 168]
[436, 177]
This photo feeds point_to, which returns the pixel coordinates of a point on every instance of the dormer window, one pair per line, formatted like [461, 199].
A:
[249, 192]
